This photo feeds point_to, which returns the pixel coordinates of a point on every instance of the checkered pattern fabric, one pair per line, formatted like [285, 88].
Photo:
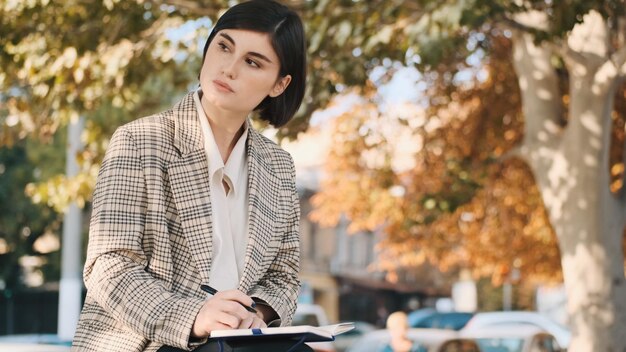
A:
[150, 234]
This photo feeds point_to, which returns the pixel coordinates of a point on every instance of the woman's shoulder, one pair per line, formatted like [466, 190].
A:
[147, 135]
[148, 131]
[274, 151]
[153, 126]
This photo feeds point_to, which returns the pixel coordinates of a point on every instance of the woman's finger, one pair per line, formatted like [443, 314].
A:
[233, 308]
[218, 326]
[227, 319]
[247, 322]
[235, 295]
[257, 324]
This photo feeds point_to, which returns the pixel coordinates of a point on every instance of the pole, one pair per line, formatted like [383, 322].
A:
[507, 296]
[70, 288]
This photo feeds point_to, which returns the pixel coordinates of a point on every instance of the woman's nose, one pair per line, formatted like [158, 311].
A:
[230, 69]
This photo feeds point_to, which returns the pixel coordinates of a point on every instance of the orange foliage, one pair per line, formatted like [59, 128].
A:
[617, 141]
[462, 203]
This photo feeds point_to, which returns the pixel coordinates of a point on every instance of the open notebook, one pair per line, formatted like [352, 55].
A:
[307, 332]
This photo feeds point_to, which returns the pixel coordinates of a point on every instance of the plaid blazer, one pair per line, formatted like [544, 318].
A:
[150, 234]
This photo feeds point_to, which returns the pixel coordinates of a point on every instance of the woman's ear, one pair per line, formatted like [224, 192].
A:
[280, 86]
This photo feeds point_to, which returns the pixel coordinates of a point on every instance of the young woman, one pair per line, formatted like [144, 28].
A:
[195, 196]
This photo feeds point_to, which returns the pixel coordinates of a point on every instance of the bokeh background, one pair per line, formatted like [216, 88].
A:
[440, 142]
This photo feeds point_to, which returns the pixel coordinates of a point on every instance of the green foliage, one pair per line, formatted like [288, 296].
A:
[64, 59]
[491, 296]
[23, 222]
[61, 59]
[109, 62]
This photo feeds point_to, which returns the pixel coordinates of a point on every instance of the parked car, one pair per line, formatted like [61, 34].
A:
[512, 338]
[429, 318]
[347, 339]
[34, 343]
[428, 339]
[314, 315]
[517, 318]
[457, 345]
[418, 315]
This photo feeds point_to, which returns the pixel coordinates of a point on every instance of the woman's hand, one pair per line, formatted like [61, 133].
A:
[224, 311]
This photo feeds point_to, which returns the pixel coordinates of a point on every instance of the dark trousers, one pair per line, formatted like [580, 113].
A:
[266, 345]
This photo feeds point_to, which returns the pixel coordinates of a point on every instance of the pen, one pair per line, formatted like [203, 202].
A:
[210, 290]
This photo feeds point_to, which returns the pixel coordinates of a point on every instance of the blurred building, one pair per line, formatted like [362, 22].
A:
[336, 266]
[336, 273]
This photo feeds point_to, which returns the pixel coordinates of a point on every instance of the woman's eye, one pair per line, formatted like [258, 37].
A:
[252, 63]
[223, 46]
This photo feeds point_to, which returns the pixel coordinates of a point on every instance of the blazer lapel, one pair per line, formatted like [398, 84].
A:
[189, 177]
[263, 194]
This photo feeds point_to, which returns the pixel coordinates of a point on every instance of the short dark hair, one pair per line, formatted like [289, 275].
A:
[287, 37]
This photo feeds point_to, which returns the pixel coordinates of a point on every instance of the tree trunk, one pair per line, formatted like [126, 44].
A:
[572, 170]
[591, 223]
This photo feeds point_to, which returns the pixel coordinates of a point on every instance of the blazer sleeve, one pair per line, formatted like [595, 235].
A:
[280, 285]
[114, 273]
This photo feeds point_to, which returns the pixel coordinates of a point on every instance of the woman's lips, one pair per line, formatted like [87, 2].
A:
[222, 86]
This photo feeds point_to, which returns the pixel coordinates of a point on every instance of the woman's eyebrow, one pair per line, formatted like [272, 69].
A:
[227, 37]
[252, 53]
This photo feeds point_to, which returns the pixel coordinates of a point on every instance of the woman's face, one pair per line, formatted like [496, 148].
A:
[240, 69]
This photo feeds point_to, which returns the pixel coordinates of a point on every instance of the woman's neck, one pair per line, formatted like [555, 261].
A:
[227, 127]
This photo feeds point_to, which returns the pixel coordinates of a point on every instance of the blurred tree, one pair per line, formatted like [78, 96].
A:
[63, 59]
[568, 57]
[438, 182]
[100, 59]
[25, 228]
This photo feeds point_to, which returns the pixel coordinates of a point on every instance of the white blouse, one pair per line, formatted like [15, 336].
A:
[229, 209]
